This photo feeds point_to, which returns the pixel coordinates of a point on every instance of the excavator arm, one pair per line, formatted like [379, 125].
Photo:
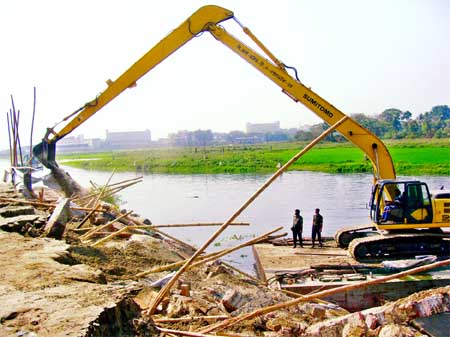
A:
[208, 19]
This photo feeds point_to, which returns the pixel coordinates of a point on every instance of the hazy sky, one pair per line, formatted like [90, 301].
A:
[362, 56]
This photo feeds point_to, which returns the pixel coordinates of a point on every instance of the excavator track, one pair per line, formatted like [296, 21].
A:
[389, 246]
[345, 235]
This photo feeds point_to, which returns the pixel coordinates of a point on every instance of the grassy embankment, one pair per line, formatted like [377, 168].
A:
[411, 157]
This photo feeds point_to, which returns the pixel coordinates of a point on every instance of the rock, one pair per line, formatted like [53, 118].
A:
[355, 327]
[233, 300]
[396, 330]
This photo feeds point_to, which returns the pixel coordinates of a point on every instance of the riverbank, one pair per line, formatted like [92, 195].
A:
[75, 286]
[412, 157]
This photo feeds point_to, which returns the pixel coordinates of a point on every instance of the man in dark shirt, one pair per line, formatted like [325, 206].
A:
[297, 228]
[317, 225]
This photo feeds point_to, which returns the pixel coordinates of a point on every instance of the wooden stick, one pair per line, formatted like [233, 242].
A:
[103, 189]
[162, 293]
[107, 192]
[189, 318]
[230, 250]
[99, 228]
[173, 238]
[87, 217]
[210, 256]
[320, 294]
[109, 237]
[243, 273]
[200, 225]
[32, 124]
[43, 204]
[184, 333]
[171, 266]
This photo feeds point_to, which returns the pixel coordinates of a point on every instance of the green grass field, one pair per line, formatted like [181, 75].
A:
[414, 157]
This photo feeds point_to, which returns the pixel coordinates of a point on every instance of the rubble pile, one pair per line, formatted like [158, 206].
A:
[84, 285]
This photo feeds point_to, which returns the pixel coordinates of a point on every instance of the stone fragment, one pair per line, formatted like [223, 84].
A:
[232, 300]
[397, 330]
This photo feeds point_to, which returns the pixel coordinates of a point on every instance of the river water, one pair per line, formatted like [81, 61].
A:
[172, 199]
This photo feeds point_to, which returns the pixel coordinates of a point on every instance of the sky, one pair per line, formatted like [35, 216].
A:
[361, 56]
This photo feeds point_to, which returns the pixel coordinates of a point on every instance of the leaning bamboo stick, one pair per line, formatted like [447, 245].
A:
[173, 238]
[109, 237]
[211, 224]
[99, 228]
[177, 225]
[323, 293]
[189, 318]
[162, 293]
[210, 256]
[119, 188]
[88, 216]
[230, 250]
[184, 333]
[171, 266]
[43, 204]
[103, 189]
[243, 273]
[107, 193]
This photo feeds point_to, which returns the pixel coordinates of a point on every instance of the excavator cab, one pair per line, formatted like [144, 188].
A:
[401, 202]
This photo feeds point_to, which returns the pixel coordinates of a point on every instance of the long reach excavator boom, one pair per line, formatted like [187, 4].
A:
[207, 19]
[416, 209]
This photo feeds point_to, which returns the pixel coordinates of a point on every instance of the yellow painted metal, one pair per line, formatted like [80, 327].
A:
[195, 24]
[370, 144]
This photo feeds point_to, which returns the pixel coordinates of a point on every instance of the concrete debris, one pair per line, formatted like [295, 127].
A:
[421, 304]
[56, 225]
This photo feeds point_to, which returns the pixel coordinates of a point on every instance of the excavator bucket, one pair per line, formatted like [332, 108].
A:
[46, 154]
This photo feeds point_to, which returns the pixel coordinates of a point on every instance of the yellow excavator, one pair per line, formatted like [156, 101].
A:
[406, 218]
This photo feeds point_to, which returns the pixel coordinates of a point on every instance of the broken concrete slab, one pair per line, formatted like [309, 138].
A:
[56, 225]
[11, 211]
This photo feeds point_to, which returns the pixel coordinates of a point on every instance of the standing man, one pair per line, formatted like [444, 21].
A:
[317, 225]
[297, 228]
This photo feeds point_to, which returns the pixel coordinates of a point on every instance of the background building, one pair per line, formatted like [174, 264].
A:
[263, 127]
[127, 139]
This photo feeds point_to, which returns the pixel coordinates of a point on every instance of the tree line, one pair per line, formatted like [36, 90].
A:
[394, 124]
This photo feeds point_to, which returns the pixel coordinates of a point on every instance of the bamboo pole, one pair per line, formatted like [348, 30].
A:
[103, 189]
[162, 293]
[178, 225]
[107, 193]
[230, 250]
[43, 204]
[109, 237]
[10, 144]
[99, 228]
[323, 293]
[173, 238]
[184, 333]
[86, 218]
[32, 124]
[210, 256]
[189, 318]
[237, 270]
[211, 224]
